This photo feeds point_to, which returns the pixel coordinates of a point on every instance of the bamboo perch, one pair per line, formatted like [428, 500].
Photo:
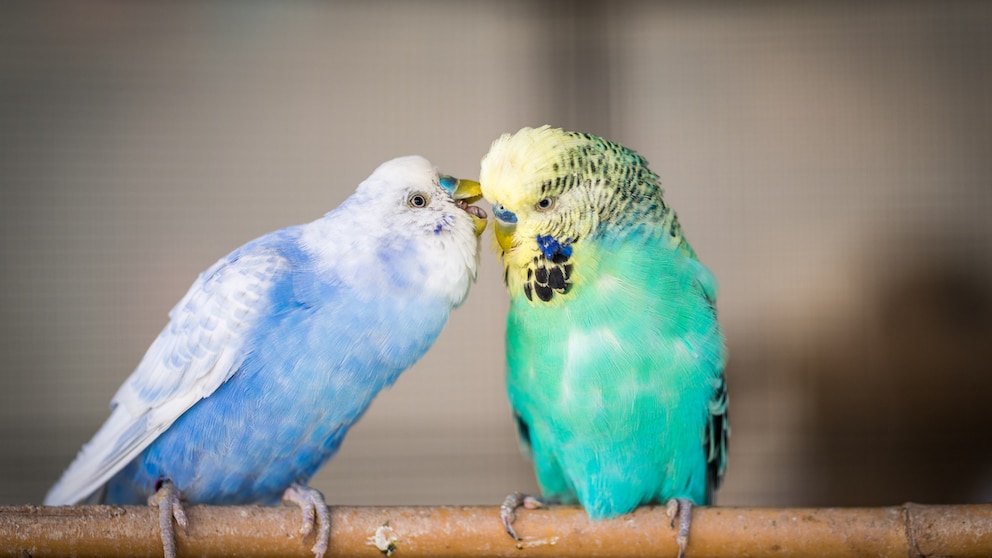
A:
[908, 530]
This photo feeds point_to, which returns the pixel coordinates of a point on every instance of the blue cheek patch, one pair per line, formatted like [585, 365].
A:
[551, 248]
[444, 224]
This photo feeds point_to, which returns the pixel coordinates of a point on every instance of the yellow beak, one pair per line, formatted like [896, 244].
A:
[504, 234]
[468, 192]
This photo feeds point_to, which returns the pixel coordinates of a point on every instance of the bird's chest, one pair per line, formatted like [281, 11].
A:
[309, 377]
[606, 362]
[328, 363]
[567, 365]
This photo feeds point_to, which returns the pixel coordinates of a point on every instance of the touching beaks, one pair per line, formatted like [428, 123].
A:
[466, 192]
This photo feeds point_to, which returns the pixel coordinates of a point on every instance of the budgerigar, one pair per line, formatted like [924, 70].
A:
[280, 347]
[614, 355]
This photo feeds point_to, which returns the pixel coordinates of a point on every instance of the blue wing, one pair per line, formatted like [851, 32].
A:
[198, 351]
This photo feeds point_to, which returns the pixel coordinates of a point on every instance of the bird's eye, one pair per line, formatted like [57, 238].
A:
[418, 200]
[545, 204]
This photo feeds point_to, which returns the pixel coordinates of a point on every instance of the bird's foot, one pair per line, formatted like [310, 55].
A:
[680, 508]
[508, 510]
[311, 501]
[166, 498]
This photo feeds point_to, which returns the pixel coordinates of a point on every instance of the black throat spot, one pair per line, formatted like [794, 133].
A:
[546, 278]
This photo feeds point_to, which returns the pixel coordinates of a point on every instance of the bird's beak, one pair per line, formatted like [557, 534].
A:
[504, 234]
[505, 225]
[466, 192]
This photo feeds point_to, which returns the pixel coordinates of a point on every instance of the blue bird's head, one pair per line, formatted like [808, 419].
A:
[415, 223]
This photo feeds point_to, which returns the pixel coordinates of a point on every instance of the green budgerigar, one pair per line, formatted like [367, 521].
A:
[614, 354]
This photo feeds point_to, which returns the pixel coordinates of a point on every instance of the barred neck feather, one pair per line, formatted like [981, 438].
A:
[603, 193]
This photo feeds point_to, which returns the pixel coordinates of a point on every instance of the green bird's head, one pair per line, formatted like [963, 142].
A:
[561, 200]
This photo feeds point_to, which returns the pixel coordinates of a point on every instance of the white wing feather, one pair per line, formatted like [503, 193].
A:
[198, 350]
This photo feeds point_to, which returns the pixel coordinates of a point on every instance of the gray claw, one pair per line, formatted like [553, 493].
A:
[314, 508]
[508, 513]
[508, 510]
[169, 508]
[682, 509]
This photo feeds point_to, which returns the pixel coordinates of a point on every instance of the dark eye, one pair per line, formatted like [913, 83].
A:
[545, 204]
[418, 200]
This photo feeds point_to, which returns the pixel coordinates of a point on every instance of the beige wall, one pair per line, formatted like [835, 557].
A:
[830, 163]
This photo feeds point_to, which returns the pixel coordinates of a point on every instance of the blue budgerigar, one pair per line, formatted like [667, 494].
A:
[279, 347]
[614, 355]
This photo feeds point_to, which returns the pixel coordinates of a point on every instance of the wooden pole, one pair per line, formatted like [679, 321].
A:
[900, 531]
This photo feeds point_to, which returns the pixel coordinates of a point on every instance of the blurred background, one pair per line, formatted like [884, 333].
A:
[831, 163]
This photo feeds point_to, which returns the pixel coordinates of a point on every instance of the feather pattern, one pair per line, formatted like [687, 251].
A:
[279, 347]
[616, 381]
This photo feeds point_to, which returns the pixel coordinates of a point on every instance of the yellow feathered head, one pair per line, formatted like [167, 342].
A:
[553, 190]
